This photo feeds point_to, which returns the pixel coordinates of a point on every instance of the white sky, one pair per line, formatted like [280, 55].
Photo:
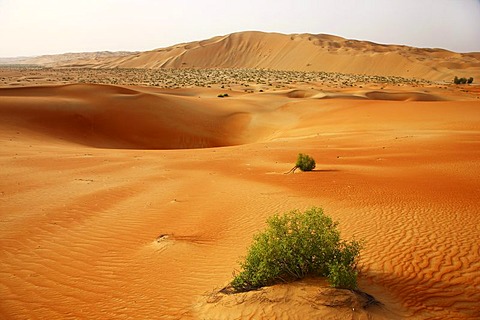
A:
[36, 27]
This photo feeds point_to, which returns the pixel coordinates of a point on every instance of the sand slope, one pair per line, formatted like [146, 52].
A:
[115, 117]
[94, 225]
[307, 52]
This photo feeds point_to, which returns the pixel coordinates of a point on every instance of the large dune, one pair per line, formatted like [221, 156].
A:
[300, 52]
[114, 117]
[112, 207]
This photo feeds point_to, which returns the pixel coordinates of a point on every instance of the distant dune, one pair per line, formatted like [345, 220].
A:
[300, 52]
[76, 59]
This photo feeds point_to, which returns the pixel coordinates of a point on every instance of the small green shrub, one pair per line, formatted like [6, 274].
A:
[305, 162]
[224, 95]
[295, 245]
[458, 80]
[340, 276]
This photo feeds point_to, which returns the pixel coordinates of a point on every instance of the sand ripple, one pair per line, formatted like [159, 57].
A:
[106, 233]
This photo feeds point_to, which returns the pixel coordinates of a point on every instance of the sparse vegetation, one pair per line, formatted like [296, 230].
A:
[304, 163]
[297, 244]
[224, 95]
[190, 77]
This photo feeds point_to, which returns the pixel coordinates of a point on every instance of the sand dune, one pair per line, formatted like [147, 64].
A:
[120, 117]
[306, 52]
[402, 96]
[95, 223]
[366, 95]
[78, 59]
[300, 52]
[115, 117]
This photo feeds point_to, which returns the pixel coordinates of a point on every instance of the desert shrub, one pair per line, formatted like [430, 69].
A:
[224, 95]
[295, 245]
[340, 276]
[305, 162]
[458, 80]
[470, 80]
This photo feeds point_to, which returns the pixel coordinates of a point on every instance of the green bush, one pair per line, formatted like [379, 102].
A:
[305, 162]
[340, 276]
[458, 80]
[295, 245]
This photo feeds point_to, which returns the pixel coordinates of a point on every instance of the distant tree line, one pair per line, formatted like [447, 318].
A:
[458, 80]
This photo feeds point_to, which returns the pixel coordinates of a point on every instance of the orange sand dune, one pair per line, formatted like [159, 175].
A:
[119, 117]
[306, 52]
[366, 95]
[93, 225]
[301, 52]
[114, 117]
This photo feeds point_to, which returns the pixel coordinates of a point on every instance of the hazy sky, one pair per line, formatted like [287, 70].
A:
[35, 27]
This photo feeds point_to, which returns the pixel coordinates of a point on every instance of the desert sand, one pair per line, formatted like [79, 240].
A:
[105, 214]
[133, 194]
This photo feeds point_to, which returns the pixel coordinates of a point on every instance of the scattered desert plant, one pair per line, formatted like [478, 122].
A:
[297, 244]
[458, 80]
[304, 163]
[190, 77]
[224, 95]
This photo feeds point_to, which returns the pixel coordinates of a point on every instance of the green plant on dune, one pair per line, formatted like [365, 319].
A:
[304, 163]
[458, 80]
[295, 245]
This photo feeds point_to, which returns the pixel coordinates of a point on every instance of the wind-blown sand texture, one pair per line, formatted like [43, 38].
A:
[137, 202]
[295, 52]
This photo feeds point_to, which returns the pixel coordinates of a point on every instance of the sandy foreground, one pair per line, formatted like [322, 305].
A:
[129, 202]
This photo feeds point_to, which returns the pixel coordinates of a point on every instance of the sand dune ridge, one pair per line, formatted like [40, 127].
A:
[300, 52]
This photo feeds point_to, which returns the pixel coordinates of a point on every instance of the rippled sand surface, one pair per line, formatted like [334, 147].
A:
[105, 214]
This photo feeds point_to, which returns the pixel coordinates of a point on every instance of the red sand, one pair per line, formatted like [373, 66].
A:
[83, 201]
